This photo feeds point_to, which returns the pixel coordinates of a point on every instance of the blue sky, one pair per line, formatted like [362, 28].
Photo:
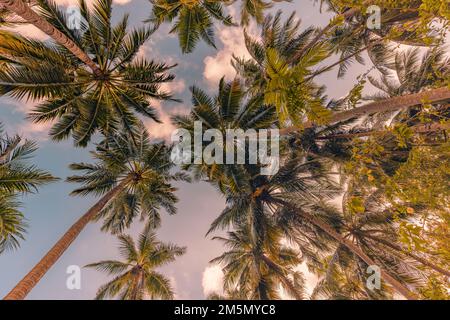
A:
[52, 211]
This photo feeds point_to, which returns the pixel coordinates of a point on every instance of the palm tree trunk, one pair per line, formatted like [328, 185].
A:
[420, 128]
[138, 281]
[25, 12]
[352, 247]
[21, 290]
[409, 254]
[391, 104]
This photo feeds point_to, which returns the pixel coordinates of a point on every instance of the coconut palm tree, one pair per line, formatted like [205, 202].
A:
[12, 223]
[273, 72]
[372, 222]
[436, 95]
[193, 19]
[284, 82]
[256, 198]
[257, 271]
[350, 33]
[133, 180]
[136, 277]
[81, 101]
[242, 184]
[17, 177]
[229, 109]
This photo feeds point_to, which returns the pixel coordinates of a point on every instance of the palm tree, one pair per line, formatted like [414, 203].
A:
[254, 9]
[193, 19]
[284, 82]
[273, 72]
[243, 185]
[411, 72]
[350, 35]
[371, 222]
[17, 177]
[256, 198]
[229, 109]
[133, 179]
[12, 223]
[256, 271]
[136, 277]
[432, 96]
[84, 102]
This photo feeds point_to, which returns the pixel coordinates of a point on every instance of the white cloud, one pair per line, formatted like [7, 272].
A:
[233, 42]
[176, 86]
[165, 129]
[212, 281]
[122, 2]
[29, 31]
[219, 65]
[34, 131]
[178, 294]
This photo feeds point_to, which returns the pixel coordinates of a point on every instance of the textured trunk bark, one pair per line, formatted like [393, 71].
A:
[392, 104]
[21, 290]
[25, 12]
[420, 128]
[353, 248]
[409, 254]
[137, 285]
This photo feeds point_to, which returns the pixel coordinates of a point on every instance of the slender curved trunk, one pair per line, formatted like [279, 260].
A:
[26, 13]
[21, 290]
[137, 285]
[409, 254]
[391, 104]
[420, 128]
[353, 248]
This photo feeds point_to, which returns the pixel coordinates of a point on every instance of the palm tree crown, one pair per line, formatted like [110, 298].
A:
[81, 101]
[146, 170]
[17, 176]
[256, 272]
[136, 277]
[193, 19]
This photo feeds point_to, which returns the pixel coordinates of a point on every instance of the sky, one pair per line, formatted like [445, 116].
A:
[52, 211]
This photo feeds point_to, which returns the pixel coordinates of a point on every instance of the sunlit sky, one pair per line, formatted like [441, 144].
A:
[52, 211]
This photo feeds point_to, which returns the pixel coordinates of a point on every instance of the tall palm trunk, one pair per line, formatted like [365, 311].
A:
[21, 290]
[138, 283]
[420, 128]
[25, 12]
[398, 248]
[391, 104]
[352, 247]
